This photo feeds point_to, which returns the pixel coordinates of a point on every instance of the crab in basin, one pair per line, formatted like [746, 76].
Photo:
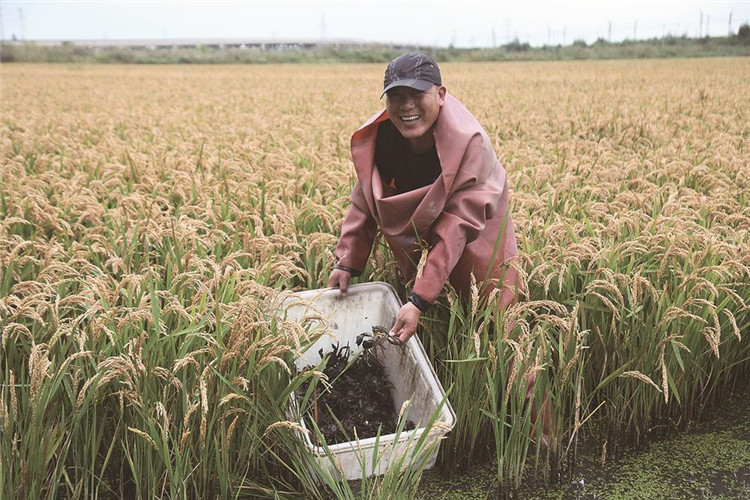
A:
[379, 335]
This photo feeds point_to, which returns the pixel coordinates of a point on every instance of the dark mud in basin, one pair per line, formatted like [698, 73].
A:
[358, 396]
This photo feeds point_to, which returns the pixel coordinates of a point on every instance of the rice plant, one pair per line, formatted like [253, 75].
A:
[153, 220]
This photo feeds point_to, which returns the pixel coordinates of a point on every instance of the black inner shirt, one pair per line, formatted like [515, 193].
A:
[399, 166]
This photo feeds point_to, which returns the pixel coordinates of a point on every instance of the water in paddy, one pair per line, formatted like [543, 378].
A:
[710, 462]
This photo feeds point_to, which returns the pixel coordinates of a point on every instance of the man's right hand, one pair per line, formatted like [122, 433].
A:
[339, 279]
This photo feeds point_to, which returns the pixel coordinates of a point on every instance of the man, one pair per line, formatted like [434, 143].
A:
[428, 177]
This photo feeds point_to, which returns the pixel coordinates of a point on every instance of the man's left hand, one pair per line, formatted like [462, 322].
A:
[406, 322]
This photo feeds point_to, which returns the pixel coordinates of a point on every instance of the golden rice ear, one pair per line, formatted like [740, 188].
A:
[640, 376]
[474, 295]
[39, 365]
[422, 260]
[13, 400]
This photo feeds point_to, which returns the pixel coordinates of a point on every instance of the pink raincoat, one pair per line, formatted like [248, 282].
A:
[460, 216]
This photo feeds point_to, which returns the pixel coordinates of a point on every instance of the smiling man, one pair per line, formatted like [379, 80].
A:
[428, 178]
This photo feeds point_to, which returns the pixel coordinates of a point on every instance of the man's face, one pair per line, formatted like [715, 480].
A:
[414, 113]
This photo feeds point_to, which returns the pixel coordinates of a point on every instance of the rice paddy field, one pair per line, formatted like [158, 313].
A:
[153, 219]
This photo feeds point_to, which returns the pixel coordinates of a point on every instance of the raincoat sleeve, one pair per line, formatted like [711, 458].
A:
[357, 233]
[476, 194]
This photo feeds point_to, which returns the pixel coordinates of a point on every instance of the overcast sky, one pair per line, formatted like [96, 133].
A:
[407, 21]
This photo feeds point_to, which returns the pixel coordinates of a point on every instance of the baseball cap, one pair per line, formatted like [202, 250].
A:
[415, 70]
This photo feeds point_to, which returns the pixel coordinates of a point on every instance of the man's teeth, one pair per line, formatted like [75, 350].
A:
[409, 118]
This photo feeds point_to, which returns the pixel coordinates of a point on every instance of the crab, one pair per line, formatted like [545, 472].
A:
[377, 337]
[338, 356]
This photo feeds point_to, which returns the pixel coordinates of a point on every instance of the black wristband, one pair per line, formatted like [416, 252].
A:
[418, 301]
[349, 270]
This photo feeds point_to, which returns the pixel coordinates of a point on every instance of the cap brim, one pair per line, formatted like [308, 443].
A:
[420, 85]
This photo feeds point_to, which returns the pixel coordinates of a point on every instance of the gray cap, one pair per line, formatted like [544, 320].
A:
[414, 70]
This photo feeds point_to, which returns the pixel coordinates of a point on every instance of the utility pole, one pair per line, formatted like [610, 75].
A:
[663, 33]
[635, 26]
[700, 27]
[730, 23]
[609, 31]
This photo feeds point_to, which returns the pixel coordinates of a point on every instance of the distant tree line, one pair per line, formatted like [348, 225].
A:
[669, 46]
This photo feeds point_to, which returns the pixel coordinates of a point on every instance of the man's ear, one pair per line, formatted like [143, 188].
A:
[441, 93]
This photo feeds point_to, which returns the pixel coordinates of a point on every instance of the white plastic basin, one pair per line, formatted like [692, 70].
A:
[408, 370]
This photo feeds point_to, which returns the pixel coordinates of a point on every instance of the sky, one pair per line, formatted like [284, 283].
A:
[440, 23]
